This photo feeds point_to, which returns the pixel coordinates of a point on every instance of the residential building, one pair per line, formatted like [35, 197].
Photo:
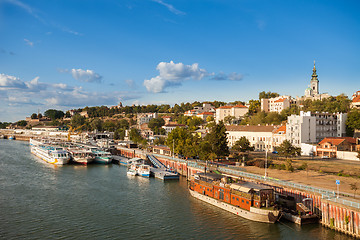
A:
[204, 115]
[145, 131]
[313, 127]
[206, 107]
[237, 112]
[355, 103]
[276, 104]
[167, 119]
[171, 126]
[262, 138]
[145, 117]
[329, 147]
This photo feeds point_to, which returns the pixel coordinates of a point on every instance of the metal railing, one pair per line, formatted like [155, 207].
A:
[325, 194]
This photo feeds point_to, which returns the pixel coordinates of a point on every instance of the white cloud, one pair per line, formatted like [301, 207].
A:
[170, 7]
[223, 76]
[173, 74]
[11, 82]
[86, 75]
[28, 42]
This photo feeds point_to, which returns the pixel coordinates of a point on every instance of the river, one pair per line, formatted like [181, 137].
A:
[42, 201]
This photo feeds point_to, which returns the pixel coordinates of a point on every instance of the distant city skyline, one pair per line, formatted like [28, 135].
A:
[72, 54]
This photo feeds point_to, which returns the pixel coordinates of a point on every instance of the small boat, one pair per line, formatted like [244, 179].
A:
[82, 156]
[132, 170]
[128, 162]
[143, 170]
[11, 137]
[102, 157]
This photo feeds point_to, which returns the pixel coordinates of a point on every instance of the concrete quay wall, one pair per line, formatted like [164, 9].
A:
[337, 216]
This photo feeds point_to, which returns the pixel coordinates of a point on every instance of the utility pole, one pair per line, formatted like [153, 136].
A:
[266, 156]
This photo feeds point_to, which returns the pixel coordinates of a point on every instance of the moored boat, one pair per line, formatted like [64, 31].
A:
[246, 199]
[53, 155]
[102, 157]
[82, 156]
[132, 169]
[143, 170]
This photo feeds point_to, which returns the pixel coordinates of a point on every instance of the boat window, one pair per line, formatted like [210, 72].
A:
[247, 202]
[233, 198]
[237, 199]
[242, 200]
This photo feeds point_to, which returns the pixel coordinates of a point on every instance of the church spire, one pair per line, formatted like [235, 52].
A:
[314, 76]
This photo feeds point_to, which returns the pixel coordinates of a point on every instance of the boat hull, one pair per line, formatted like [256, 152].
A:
[254, 214]
[45, 157]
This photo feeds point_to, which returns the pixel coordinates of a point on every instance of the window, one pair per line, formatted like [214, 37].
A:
[242, 200]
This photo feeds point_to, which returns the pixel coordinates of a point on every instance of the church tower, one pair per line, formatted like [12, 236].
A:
[314, 83]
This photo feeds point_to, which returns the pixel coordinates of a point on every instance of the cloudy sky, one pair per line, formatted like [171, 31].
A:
[67, 54]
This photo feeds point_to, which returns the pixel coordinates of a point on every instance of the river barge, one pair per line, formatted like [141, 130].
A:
[252, 201]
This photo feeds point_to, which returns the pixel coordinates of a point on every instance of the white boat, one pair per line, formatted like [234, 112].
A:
[102, 157]
[143, 170]
[128, 162]
[53, 155]
[133, 169]
[82, 156]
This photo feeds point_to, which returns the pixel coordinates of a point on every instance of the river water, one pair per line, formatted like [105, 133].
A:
[42, 201]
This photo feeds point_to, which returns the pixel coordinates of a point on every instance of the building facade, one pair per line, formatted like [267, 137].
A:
[262, 138]
[237, 112]
[145, 117]
[276, 104]
[313, 127]
[355, 100]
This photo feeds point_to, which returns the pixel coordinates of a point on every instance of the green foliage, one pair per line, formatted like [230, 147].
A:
[119, 134]
[33, 116]
[287, 149]
[155, 125]
[267, 95]
[54, 114]
[159, 141]
[289, 166]
[218, 140]
[135, 136]
[304, 166]
[178, 139]
[194, 122]
[353, 120]
[96, 124]
[255, 106]
[21, 123]
[340, 103]
[39, 116]
[4, 124]
[77, 120]
[242, 145]
[229, 119]
[209, 119]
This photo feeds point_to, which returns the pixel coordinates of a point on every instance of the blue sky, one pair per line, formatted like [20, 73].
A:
[66, 54]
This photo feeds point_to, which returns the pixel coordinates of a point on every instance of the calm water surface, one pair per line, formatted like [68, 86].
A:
[42, 201]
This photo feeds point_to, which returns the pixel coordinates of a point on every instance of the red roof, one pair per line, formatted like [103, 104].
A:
[206, 113]
[281, 129]
[237, 106]
[280, 100]
[356, 99]
[337, 140]
[240, 106]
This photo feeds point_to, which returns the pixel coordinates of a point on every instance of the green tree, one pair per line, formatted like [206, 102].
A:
[119, 134]
[255, 106]
[209, 118]
[218, 140]
[34, 116]
[21, 123]
[288, 150]
[96, 124]
[135, 136]
[353, 121]
[242, 145]
[155, 125]
[229, 119]
[54, 114]
[77, 120]
[194, 122]
[267, 95]
[177, 140]
[39, 116]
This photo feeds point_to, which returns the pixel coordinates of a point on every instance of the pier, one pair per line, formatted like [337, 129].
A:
[160, 171]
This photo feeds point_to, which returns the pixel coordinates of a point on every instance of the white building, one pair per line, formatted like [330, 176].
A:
[262, 138]
[237, 111]
[313, 127]
[169, 127]
[145, 117]
[206, 107]
[276, 104]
